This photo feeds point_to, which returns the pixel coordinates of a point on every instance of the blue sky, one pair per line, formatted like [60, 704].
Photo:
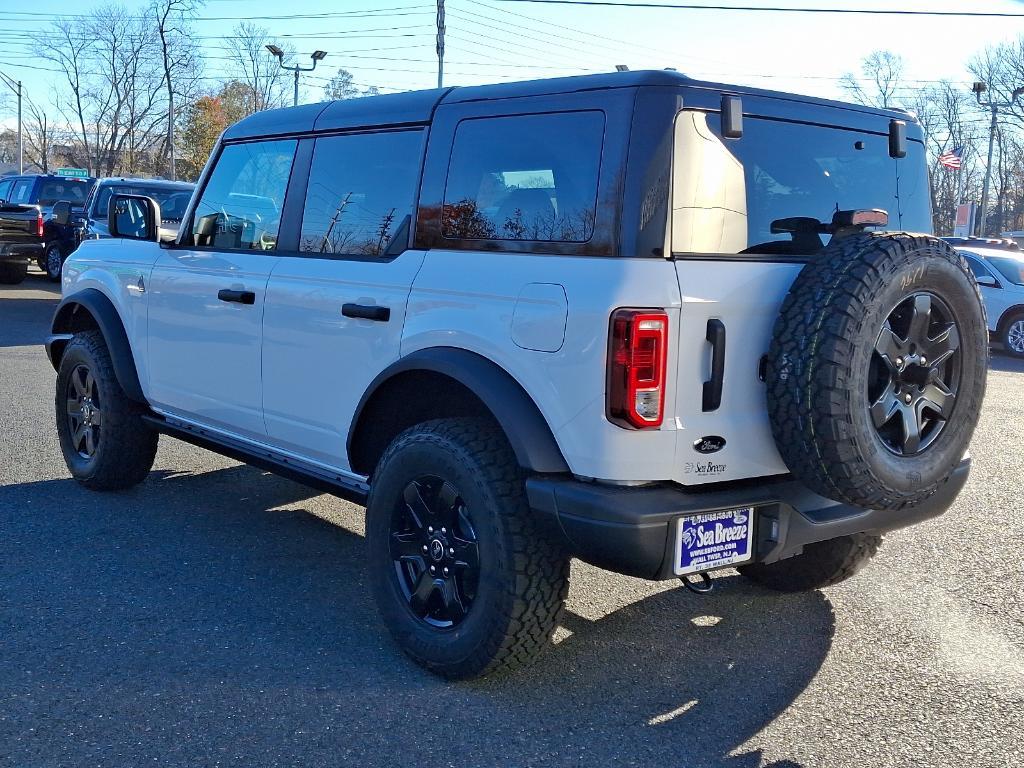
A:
[490, 40]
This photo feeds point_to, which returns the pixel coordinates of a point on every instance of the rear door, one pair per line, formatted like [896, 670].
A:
[734, 271]
[206, 296]
[335, 308]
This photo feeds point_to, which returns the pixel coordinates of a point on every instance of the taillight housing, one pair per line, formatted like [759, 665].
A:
[39, 224]
[637, 351]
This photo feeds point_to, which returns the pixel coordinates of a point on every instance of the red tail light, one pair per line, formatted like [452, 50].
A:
[638, 343]
[39, 225]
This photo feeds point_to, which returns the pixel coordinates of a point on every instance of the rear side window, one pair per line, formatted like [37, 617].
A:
[240, 207]
[21, 192]
[359, 200]
[529, 177]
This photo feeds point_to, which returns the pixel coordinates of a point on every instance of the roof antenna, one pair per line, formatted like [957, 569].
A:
[621, 68]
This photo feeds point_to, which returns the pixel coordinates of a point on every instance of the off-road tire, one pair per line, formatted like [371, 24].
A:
[820, 357]
[1004, 334]
[820, 565]
[13, 272]
[524, 575]
[126, 446]
[53, 252]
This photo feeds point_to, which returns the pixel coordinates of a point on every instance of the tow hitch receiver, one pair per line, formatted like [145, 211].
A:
[699, 583]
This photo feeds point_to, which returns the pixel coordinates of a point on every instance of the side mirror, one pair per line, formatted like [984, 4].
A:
[135, 217]
[62, 212]
[988, 280]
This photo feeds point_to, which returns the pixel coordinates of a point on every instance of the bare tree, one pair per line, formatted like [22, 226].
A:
[39, 136]
[256, 67]
[881, 76]
[177, 58]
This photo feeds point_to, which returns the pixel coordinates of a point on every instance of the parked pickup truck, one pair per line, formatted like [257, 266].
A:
[33, 210]
[21, 239]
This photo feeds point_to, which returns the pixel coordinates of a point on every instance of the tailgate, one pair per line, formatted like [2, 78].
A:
[735, 303]
[19, 224]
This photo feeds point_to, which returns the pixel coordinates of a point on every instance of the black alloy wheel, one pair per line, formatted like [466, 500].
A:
[435, 551]
[53, 262]
[84, 413]
[915, 374]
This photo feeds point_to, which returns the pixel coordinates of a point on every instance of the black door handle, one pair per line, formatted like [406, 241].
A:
[239, 297]
[367, 312]
[713, 386]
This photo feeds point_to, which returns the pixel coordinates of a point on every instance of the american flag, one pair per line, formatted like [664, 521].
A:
[952, 159]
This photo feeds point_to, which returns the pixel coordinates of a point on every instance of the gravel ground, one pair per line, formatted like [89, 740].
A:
[218, 615]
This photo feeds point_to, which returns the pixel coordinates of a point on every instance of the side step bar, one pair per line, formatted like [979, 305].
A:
[264, 458]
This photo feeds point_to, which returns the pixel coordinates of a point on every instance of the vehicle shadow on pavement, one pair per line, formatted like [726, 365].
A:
[21, 321]
[192, 621]
[1001, 361]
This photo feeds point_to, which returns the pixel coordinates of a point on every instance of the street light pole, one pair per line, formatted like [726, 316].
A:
[16, 87]
[980, 88]
[440, 43]
[316, 56]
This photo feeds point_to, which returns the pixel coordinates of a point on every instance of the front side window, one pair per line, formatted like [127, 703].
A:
[529, 177]
[770, 191]
[5, 190]
[240, 207]
[361, 191]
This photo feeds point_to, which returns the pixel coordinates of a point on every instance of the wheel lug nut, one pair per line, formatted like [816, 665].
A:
[424, 547]
[899, 361]
[924, 360]
[444, 530]
[451, 552]
[907, 399]
[445, 571]
[430, 529]
[433, 569]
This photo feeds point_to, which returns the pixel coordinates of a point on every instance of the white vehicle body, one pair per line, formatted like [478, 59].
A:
[1000, 276]
[270, 336]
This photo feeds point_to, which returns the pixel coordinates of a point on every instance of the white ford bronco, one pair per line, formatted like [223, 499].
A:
[661, 325]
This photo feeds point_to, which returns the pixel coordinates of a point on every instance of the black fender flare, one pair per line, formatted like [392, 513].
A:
[1016, 309]
[105, 314]
[515, 411]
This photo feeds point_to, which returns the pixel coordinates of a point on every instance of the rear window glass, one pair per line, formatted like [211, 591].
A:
[530, 177]
[54, 190]
[730, 196]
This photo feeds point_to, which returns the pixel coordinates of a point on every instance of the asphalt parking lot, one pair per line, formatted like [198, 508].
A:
[218, 615]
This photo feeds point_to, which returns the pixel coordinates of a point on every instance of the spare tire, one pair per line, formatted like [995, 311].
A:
[877, 368]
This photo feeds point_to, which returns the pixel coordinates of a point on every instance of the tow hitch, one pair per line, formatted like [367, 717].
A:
[702, 586]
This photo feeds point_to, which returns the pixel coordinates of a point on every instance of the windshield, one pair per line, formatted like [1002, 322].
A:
[173, 200]
[728, 192]
[1009, 267]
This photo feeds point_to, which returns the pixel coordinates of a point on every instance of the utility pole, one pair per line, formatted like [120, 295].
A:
[315, 56]
[15, 86]
[440, 43]
[980, 88]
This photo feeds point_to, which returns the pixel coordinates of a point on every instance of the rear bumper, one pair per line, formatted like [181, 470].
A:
[631, 530]
[21, 251]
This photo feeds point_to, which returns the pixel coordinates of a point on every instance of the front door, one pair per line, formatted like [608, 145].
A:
[335, 311]
[207, 295]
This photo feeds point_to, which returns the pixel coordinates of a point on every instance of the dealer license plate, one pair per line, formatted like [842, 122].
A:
[714, 540]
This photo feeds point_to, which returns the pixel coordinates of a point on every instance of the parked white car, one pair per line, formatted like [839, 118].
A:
[1000, 276]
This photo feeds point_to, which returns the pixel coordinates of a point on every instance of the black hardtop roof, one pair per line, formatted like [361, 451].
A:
[415, 107]
[107, 180]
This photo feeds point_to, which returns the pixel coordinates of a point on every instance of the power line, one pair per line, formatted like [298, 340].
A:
[774, 9]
